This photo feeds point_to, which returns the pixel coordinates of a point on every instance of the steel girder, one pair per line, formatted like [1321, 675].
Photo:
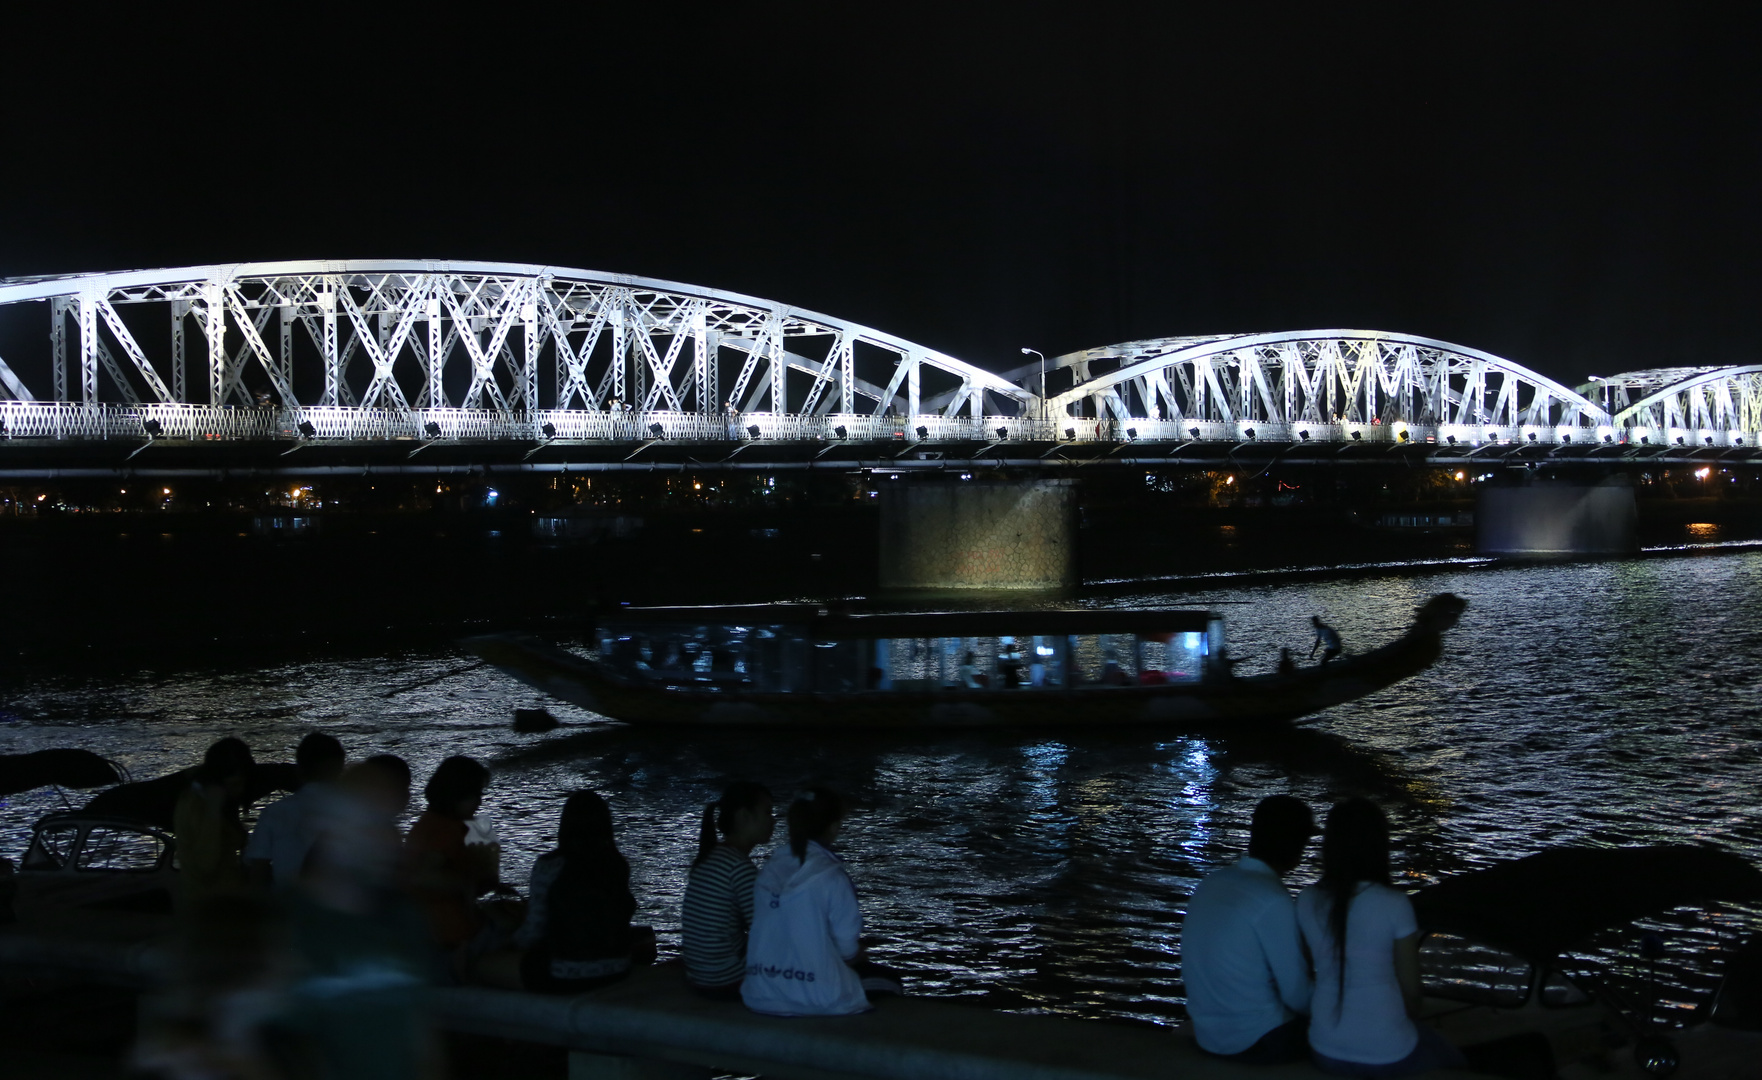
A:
[1319, 384]
[386, 334]
[364, 349]
[1715, 406]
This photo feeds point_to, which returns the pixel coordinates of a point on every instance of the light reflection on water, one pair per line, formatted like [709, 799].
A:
[1604, 703]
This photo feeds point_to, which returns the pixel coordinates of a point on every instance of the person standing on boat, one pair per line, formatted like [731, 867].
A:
[1365, 941]
[1327, 639]
[1248, 986]
[718, 906]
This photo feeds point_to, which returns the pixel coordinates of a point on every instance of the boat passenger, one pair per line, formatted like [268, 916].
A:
[1248, 985]
[447, 873]
[970, 676]
[1010, 668]
[577, 934]
[1112, 674]
[206, 823]
[287, 827]
[1365, 942]
[718, 906]
[803, 953]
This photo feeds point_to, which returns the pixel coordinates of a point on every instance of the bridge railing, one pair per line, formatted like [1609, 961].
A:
[198, 423]
[73, 420]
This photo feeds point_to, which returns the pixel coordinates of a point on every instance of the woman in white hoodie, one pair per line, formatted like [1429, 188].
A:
[806, 922]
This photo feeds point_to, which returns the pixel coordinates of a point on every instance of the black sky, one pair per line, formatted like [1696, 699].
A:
[1575, 187]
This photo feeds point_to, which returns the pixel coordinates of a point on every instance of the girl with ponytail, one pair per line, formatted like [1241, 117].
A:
[802, 957]
[1365, 942]
[718, 904]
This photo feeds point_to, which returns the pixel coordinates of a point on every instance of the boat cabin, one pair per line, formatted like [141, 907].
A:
[778, 649]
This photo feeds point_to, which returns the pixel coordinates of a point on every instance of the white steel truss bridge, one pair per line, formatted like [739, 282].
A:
[362, 352]
[375, 350]
[1685, 406]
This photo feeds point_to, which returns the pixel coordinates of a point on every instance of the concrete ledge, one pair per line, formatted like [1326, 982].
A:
[654, 1017]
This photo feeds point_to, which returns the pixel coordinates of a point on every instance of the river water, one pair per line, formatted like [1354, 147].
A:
[1603, 702]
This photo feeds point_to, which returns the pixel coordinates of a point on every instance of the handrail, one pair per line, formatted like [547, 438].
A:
[73, 421]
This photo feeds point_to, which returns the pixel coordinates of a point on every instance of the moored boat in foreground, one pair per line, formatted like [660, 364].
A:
[810, 667]
[1509, 972]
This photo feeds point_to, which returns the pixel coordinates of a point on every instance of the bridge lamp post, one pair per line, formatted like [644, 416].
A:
[1042, 357]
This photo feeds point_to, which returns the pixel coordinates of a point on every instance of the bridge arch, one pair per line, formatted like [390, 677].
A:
[1316, 384]
[1714, 406]
[353, 346]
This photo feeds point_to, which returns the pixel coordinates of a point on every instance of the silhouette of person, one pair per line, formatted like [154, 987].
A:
[1327, 639]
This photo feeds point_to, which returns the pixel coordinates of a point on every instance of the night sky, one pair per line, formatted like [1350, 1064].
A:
[1575, 187]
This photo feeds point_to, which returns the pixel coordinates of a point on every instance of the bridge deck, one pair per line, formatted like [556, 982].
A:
[27, 459]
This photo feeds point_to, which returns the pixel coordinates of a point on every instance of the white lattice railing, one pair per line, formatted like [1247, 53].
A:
[197, 423]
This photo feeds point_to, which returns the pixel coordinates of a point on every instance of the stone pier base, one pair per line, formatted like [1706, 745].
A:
[978, 534]
[1546, 517]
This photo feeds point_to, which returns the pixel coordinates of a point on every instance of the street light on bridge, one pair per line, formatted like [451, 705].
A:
[1042, 356]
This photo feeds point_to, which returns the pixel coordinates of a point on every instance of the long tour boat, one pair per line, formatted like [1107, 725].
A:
[799, 666]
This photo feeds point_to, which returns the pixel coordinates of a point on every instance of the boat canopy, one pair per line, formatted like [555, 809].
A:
[826, 624]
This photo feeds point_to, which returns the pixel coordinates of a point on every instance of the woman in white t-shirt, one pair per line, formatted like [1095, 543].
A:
[1365, 943]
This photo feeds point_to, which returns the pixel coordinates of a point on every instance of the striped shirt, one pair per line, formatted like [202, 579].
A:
[718, 910]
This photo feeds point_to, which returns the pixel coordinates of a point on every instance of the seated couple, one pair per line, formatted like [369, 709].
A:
[1246, 952]
[786, 939]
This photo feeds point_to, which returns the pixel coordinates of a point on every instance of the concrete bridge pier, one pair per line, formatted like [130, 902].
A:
[978, 534]
[1546, 517]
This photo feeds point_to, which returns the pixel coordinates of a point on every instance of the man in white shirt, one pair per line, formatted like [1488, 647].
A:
[1242, 959]
[288, 827]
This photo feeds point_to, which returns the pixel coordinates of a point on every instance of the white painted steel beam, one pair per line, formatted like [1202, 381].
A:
[495, 327]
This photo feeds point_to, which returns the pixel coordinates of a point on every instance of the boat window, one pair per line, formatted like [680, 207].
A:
[1103, 659]
[120, 849]
[839, 667]
[708, 656]
[773, 659]
[912, 664]
[1046, 662]
[50, 847]
[1459, 969]
[1172, 658]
